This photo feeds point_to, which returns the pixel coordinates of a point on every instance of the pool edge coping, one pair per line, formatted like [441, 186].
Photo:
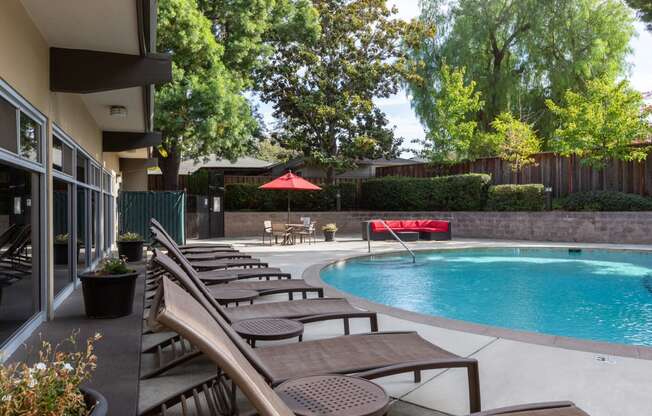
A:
[312, 275]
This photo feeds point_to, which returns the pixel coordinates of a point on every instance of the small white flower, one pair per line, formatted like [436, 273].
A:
[67, 367]
[32, 383]
[40, 366]
[6, 397]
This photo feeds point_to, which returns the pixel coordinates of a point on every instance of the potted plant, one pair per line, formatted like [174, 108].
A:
[329, 231]
[61, 248]
[51, 386]
[109, 290]
[130, 246]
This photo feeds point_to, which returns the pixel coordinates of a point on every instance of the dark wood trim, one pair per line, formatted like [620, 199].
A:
[147, 20]
[119, 141]
[83, 71]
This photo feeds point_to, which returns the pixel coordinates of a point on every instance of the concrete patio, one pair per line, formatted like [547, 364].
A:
[511, 371]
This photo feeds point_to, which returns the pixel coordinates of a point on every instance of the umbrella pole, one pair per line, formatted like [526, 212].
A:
[288, 207]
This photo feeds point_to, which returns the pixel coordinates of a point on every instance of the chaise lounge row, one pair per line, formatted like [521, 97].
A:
[284, 379]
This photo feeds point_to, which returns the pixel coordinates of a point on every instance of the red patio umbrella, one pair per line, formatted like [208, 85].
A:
[290, 182]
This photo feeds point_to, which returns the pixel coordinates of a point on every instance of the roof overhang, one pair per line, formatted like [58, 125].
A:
[105, 51]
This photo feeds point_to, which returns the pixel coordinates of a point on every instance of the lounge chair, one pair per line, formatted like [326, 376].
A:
[194, 248]
[216, 255]
[268, 287]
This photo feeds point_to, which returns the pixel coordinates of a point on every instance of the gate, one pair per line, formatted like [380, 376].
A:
[136, 208]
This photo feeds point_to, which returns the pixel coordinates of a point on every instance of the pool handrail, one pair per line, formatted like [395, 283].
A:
[414, 258]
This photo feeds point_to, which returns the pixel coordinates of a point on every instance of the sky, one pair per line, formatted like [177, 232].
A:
[406, 125]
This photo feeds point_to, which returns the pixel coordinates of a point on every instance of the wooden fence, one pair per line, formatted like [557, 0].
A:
[563, 174]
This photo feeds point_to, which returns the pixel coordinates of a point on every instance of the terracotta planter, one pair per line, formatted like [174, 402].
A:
[108, 296]
[132, 250]
[96, 401]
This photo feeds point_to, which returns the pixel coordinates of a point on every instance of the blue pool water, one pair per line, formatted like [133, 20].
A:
[596, 294]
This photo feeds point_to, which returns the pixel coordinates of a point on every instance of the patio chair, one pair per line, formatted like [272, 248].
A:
[281, 230]
[267, 231]
[367, 356]
[309, 230]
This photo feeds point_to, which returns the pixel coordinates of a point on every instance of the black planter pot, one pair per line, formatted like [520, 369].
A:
[132, 250]
[108, 296]
[96, 401]
[329, 235]
[60, 253]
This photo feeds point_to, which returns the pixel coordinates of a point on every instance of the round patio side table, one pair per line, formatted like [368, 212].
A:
[228, 296]
[268, 329]
[333, 395]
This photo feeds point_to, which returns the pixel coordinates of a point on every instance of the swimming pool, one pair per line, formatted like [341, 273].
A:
[597, 295]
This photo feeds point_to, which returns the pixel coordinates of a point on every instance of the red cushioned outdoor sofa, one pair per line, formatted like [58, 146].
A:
[427, 229]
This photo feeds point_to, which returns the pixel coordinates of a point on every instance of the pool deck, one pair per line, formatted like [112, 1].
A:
[515, 367]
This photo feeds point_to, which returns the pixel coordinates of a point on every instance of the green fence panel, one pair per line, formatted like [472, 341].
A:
[136, 208]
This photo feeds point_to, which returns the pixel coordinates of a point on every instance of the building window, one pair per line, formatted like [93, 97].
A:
[82, 168]
[61, 156]
[8, 127]
[81, 228]
[19, 248]
[62, 237]
[30, 138]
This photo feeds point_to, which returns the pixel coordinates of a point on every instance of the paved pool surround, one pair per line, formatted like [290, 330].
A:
[558, 226]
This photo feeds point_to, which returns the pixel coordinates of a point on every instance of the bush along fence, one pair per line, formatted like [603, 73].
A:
[565, 175]
[247, 197]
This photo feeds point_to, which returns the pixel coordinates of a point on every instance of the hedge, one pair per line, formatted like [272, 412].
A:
[604, 201]
[247, 197]
[516, 198]
[446, 193]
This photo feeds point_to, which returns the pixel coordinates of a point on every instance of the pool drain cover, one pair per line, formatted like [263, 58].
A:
[603, 359]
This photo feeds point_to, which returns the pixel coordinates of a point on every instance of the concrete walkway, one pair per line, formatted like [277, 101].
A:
[511, 372]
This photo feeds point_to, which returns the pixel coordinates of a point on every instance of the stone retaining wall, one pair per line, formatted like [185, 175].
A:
[588, 227]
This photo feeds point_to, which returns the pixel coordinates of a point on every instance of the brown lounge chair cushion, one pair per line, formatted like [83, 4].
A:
[348, 354]
[291, 309]
[220, 276]
[266, 285]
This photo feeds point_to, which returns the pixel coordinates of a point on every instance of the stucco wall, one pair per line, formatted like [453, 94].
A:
[25, 66]
[590, 227]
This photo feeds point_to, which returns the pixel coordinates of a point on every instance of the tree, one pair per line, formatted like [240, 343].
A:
[643, 11]
[516, 141]
[247, 29]
[202, 110]
[520, 52]
[450, 125]
[268, 150]
[322, 90]
[602, 123]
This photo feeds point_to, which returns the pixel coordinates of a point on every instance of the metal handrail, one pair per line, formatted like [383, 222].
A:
[414, 258]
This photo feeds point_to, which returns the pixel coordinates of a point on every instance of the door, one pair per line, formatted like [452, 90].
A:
[216, 204]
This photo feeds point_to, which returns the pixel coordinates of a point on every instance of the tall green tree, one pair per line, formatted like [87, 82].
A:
[521, 52]
[323, 90]
[517, 141]
[643, 10]
[451, 127]
[602, 123]
[202, 111]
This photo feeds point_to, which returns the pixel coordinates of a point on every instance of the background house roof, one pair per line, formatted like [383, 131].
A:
[188, 167]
